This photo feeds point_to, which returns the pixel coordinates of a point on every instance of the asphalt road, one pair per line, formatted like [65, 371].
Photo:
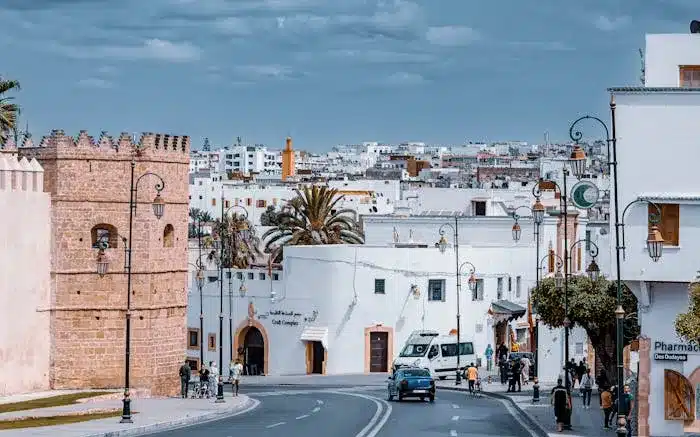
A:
[360, 412]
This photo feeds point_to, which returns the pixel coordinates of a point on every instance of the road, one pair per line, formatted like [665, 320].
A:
[360, 412]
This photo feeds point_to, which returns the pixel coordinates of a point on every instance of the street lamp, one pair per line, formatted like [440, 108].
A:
[102, 261]
[232, 249]
[242, 290]
[559, 280]
[158, 210]
[516, 231]
[578, 161]
[593, 270]
[654, 243]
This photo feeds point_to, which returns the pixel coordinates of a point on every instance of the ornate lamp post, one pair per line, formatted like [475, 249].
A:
[654, 244]
[224, 214]
[158, 206]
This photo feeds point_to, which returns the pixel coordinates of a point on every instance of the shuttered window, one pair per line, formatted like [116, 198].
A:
[670, 222]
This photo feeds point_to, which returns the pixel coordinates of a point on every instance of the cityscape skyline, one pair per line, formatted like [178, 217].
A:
[326, 73]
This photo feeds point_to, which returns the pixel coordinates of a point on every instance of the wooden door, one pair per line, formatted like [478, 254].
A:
[379, 352]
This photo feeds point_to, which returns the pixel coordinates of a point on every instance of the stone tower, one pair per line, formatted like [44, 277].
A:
[288, 166]
[89, 182]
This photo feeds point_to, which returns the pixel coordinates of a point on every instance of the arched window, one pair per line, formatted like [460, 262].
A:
[104, 233]
[168, 236]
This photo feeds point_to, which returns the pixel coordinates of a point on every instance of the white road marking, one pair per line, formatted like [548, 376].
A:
[455, 406]
[303, 416]
[318, 401]
[517, 417]
[316, 410]
[455, 417]
[453, 433]
[381, 416]
[275, 424]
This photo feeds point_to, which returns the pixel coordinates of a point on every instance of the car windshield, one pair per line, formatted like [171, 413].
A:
[450, 349]
[414, 350]
[416, 372]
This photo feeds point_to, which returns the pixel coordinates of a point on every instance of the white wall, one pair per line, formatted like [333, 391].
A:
[658, 155]
[25, 263]
[665, 53]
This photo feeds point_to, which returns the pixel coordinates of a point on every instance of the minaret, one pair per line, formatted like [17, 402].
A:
[288, 167]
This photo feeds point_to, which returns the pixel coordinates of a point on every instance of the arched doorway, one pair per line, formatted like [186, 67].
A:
[254, 351]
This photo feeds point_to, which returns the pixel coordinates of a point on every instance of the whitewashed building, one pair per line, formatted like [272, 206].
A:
[658, 155]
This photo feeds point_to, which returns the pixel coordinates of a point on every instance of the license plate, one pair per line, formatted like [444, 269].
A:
[419, 391]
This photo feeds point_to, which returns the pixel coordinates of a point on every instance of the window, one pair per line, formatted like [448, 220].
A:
[670, 222]
[479, 208]
[689, 76]
[192, 338]
[248, 201]
[450, 349]
[213, 201]
[227, 204]
[510, 284]
[261, 203]
[275, 276]
[239, 276]
[517, 286]
[104, 234]
[211, 342]
[261, 276]
[251, 275]
[578, 349]
[212, 278]
[193, 363]
[588, 240]
[168, 236]
[478, 292]
[436, 289]
[499, 289]
[379, 286]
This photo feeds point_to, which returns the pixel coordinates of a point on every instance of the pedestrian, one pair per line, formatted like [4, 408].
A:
[586, 385]
[185, 374]
[472, 375]
[517, 375]
[561, 403]
[627, 408]
[607, 406]
[503, 366]
[525, 369]
[236, 372]
[571, 370]
[213, 377]
[489, 357]
[602, 381]
[580, 370]
[204, 382]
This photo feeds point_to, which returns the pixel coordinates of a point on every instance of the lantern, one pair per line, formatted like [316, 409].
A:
[442, 244]
[200, 279]
[593, 270]
[655, 243]
[102, 263]
[578, 161]
[158, 206]
[558, 279]
[538, 212]
[516, 231]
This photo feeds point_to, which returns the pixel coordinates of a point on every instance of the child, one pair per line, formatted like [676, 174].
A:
[606, 403]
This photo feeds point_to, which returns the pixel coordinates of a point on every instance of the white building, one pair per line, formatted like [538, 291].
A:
[658, 154]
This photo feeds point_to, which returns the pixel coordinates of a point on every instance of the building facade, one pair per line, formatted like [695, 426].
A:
[89, 183]
[25, 263]
[662, 113]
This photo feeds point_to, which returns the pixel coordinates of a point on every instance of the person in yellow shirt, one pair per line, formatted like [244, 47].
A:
[472, 376]
[606, 403]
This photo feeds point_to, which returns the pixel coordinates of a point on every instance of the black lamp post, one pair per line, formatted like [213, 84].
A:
[538, 211]
[655, 244]
[103, 265]
[232, 250]
[199, 279]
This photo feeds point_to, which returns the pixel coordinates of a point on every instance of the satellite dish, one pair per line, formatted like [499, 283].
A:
[695, 26]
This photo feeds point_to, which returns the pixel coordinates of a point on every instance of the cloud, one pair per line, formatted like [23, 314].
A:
[369, 56]
[94, 82]
[265, 72]
[404, 79]
[37, 5]
[452, 36]
[152, 49]
[234, 26]
[608, 24]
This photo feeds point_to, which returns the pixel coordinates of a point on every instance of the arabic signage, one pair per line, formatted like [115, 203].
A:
[288, 318]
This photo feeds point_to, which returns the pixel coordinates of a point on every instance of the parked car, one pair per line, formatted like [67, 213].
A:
[411, 382]
[518, 355]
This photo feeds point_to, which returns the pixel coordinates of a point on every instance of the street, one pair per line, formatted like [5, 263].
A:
[360, 412]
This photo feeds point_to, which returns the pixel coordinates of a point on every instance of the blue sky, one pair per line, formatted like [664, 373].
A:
[326, 71]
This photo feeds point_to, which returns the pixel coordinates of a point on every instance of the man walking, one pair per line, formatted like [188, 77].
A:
[489, 357]
[561, 403]
[472, 375]
[185, 374]
[236, 372]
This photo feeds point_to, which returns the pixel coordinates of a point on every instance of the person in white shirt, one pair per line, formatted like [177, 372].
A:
[236, 372]
[213, 376]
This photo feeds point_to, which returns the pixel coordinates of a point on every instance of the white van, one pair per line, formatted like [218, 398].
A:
[435, 352]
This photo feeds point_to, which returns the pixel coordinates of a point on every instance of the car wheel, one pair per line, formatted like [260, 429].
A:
[432, 398]
[422, 398]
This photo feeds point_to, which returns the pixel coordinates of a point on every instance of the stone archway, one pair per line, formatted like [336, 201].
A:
[239, 341]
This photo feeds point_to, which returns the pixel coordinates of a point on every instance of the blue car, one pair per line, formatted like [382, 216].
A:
[411, 382]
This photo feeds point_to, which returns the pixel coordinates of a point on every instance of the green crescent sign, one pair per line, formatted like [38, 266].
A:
[585, 195]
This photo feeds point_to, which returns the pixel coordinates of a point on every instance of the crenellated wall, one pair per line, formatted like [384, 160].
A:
[89, 182]
[25, 256]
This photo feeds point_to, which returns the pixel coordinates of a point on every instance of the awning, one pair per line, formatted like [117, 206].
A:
[506, 310]
[315, 333]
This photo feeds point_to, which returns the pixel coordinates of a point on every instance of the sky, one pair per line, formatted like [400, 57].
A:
[326, 72]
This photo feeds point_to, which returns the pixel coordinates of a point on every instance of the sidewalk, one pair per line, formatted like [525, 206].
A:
[318, 381]
[148, 415]
[585, 423]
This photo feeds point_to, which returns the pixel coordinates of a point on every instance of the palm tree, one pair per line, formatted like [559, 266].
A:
[312, 219]
[199, 218]
[241, 246]
[8, 110]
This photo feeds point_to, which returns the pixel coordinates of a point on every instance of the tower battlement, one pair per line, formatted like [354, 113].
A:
[149, 144]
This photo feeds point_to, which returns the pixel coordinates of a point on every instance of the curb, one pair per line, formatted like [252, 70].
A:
[531, 421]
[248, 405]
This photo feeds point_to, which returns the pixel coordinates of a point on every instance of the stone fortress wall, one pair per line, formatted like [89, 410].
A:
[89, 183]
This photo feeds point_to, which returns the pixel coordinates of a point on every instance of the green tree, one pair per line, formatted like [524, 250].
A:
[8, 110]
[688, 324]
[592, 307]
[241, 246]
[312, 218]
[270, 217]
[198, 218]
